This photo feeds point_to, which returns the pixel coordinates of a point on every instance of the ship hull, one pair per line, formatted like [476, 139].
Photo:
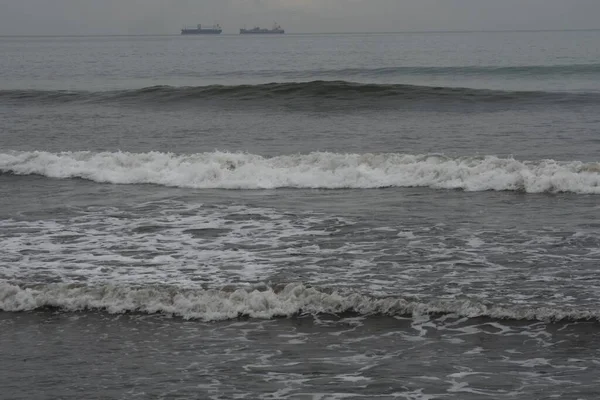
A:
[201, 32]
[242, 32]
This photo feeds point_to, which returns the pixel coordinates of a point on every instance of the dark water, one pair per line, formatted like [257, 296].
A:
[306, 217]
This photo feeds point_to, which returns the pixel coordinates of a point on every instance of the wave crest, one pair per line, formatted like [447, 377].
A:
[319, 170]
[298, 93]
[266, 303]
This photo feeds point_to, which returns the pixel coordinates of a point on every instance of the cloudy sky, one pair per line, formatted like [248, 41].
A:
[66, 17]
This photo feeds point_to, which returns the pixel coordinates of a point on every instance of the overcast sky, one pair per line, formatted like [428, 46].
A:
[58, 17]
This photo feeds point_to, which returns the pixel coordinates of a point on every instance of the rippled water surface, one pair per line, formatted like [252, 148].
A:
[408, 216]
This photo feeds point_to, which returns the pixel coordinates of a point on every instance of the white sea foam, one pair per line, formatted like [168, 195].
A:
[293, 299]
[314, 170]
[167, 242]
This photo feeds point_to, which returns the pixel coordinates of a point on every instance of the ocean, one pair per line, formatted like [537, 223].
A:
[393, 216]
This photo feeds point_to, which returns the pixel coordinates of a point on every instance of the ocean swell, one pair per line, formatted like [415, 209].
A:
[492, 71]
[299, 94]
[318, 170]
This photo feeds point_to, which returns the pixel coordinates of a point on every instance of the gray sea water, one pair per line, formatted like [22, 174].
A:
[301, 216]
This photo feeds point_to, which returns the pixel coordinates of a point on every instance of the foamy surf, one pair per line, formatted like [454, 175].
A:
[263, 303]
[318, 170]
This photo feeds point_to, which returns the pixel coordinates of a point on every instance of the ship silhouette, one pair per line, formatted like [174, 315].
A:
[261, 31]
[199, 30]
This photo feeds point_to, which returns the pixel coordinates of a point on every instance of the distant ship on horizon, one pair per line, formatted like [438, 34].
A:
[199, 30]
[261, 31]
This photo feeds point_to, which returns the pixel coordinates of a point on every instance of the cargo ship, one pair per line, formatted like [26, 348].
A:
[199, 30]
[262, 31]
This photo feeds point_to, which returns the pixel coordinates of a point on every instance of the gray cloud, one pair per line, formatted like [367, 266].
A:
[56, 17]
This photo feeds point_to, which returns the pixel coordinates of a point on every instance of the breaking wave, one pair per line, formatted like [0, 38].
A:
[318, 170]
[264, 302]
[299, 93]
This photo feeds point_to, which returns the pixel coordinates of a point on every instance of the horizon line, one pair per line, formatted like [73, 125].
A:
[309, 33]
